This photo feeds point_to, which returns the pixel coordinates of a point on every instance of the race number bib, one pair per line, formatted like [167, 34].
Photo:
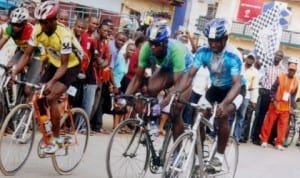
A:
[286, 96]
[72, 91]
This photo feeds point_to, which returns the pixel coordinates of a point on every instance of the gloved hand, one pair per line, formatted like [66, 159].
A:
[156, 110]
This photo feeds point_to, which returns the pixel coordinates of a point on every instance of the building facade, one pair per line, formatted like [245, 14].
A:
[201, 11]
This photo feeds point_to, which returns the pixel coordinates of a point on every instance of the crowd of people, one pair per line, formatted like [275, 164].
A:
[99, 62]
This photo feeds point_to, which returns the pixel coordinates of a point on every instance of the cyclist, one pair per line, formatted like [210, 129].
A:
[172, 59]
[20, 31]
[224, 63]
[64, 54]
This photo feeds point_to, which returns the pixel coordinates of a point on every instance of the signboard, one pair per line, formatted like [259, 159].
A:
[249, 9]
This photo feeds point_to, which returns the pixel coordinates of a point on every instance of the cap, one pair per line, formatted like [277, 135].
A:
[251, 54]
[292, 66]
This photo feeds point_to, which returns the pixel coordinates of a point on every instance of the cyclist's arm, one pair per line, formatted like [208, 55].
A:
[234, 91]
[24, 60]
[62, 69]
[136, 82]
[3, 42]
[186, 80]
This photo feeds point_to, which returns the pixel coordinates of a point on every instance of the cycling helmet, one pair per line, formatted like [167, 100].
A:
[19, 15]
[46, 10]
[217, 28]
[159, 32]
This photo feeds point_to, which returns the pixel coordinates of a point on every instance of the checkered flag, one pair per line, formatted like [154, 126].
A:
[266, 32]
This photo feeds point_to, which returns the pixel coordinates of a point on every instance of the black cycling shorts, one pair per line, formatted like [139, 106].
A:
[67, 79]
[216, 94]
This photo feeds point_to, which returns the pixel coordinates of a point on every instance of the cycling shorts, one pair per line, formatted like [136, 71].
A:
[216, 94]
[67, 79]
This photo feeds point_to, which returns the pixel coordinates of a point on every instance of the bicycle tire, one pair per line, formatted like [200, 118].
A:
[19, 113]
[291, 130]
[179, 154]
[3, 110]
[66, 159]
[133, 146]
[163, 151]
[231, 157]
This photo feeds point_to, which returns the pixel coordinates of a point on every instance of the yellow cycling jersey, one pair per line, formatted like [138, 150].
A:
[62, 41]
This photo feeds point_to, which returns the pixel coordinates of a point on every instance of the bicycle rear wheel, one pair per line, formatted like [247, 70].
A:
[292, 130]
[16, 139]
[66, 159]
[231, 157]
[180, 161]
[127, 153]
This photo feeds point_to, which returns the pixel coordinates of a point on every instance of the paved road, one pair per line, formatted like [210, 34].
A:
[254, 162]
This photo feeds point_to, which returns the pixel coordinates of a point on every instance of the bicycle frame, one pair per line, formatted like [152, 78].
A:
[10, 98]
[158, 156]
[65, 110]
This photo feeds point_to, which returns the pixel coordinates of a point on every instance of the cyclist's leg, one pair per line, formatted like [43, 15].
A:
[56, 91]
[33, 74]
[177, 120]
[159, 80]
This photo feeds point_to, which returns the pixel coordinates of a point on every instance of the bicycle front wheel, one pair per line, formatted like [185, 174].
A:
[16, 139]
[231, 157]
[128, 151]
[179, 162]
[66, 159]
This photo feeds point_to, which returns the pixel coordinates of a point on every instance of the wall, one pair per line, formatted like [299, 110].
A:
[146, 5]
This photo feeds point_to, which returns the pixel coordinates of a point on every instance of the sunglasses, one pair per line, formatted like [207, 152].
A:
[17, 24]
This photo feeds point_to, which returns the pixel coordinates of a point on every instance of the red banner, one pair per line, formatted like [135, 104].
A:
[249, 9]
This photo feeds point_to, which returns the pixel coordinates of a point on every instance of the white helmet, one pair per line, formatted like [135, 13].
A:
[19, 15]
[46, 10]
[293, 60]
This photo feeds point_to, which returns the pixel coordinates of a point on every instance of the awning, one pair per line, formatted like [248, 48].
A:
[114, 6]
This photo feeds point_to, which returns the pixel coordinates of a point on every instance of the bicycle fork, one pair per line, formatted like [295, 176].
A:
[22, 127]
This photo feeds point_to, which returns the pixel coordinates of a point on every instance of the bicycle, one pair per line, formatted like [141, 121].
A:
[181, 159]
[10, 95]
[293, 128]
[136, 149]
[15, 148]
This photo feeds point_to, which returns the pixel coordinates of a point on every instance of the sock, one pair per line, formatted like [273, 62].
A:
[220, 156]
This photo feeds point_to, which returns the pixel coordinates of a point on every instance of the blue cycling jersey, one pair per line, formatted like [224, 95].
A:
[221, 66]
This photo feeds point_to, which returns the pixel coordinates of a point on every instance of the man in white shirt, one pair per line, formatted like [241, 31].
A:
[251, 75]
[201, 83]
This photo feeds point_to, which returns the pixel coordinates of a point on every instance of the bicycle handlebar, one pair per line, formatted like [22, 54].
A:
[136, 96]
[6, 68]
[33, 85]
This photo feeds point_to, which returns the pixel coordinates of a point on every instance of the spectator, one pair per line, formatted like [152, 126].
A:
[188, 41]
[86, 43]
[119, 71]
[89, 86]
[270, 74]
[63, 17]
[250, 74]
[102, 74]
[79, 27]
[114, 48]
[283, 93]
